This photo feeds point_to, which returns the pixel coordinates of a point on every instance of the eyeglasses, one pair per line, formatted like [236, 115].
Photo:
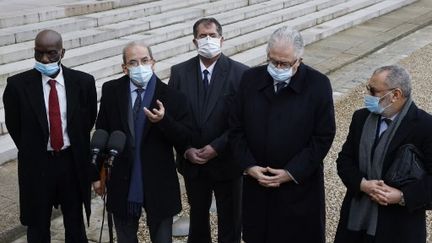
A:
[53, 55]
[373, 91]
[282, 65]
[136, 63]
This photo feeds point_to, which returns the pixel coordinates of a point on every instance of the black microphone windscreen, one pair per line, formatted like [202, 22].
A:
[99, 139]
[116, 141]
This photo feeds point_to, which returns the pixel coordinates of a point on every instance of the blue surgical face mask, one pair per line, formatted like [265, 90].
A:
[47, 69]
[140, 75]
[373, 105]
[279, 75]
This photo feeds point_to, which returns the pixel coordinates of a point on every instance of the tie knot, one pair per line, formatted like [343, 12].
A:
[206, 72]
[387, 121]
[139, 91]
[279, 86]
[52, 82]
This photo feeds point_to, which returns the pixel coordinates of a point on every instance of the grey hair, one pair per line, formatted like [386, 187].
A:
[287, 35]
[397, 77]
[135, 43]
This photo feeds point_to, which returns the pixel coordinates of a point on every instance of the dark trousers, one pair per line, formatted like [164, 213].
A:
[62, 189]
[127, 229]
[228, 202]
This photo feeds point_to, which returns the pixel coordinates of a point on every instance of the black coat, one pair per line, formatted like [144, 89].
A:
[26, 120]
[395, 223]
[292, 130]
[210, 118]
[160, 181]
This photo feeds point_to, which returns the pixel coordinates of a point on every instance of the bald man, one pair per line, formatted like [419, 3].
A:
[49, 112]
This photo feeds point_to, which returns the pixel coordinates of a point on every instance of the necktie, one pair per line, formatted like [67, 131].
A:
[138, 103]
[205, 79]
[279, 86]
[56, 132]
[387, 121]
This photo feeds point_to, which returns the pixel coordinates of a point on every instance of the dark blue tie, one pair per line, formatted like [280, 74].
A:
[205, 79]
[138, 103]
[279, 86]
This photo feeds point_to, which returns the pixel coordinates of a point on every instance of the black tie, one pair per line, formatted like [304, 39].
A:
[205, 79]
[387, 121]
[138, 102]
[279, 86]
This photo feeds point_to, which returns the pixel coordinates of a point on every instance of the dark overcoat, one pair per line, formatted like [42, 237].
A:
[291, 130]
[27, 123]
[396, 224]
[160, 181]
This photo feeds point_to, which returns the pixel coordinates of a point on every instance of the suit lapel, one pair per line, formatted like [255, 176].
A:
[156, 95]
[125, 107]
[192, 86]
[72, 94]
[35, 95]
[217, 83]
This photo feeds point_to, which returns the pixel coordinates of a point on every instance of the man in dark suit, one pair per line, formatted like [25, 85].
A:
[374, 211]
[282, 128]
[210, 81]
[154, 117]
[49, 112]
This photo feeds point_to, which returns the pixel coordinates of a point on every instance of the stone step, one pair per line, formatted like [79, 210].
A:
[27, 32]
[74, 39]
[168, 49]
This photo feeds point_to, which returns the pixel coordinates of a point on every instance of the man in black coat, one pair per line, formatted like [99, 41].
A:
[373, 210]
[49, 112]
[282, 128]
[154, 118]
[210, 81]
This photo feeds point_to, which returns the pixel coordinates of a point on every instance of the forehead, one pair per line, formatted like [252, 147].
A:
[206, 28]
[378, 80]
[282, 51]
[48, 41]
[136, 52]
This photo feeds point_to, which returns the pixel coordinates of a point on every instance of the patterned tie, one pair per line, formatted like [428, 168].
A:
[56, 132]
[205, 79]
[138, 103]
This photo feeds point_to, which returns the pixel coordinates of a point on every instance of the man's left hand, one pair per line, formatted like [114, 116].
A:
[207, 152]
[279, 176]
[387, 195]
[157, 114]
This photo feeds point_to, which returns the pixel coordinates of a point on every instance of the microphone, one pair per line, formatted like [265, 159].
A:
[97, 143]
[115, 146]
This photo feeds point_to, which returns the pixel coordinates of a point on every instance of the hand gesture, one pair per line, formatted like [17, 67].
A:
[157, 114]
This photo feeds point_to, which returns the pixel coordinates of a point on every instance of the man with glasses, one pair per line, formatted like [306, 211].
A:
[282, 127]
[49, 113]
[374, 210]
[210, 81]
[154, 118]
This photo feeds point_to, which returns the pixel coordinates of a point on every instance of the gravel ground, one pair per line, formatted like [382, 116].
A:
[419, 67]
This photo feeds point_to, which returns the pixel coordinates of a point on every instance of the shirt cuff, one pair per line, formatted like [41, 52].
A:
[292, 177]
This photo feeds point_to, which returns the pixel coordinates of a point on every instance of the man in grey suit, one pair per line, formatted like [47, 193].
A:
[210, 81]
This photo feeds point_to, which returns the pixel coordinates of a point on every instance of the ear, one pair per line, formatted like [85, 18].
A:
[62, 53]
[195, 43]
[125, 69]
[221, 41]
[397, 95]
[153, 65]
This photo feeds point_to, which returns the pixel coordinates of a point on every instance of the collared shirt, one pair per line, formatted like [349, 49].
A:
[133, 93]
[383, 125]
[276, 82]
[61, 93]
[209, 69]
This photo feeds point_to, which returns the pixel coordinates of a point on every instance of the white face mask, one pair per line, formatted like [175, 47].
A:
[279, 75]
[140, 75]
[209, 47]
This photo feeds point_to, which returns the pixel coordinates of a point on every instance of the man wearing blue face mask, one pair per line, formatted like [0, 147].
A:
[49, 112]
[154, 118]
[373, 210]
[210, 81]
[282, 126]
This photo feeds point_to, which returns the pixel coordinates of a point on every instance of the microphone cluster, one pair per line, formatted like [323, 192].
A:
[110, 145]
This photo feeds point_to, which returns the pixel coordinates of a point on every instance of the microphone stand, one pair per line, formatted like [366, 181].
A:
[105, 177]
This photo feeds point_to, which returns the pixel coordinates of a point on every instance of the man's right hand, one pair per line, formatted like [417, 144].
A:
[192, 154]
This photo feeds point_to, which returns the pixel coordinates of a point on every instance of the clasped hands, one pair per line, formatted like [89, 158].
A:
[268, 177]
[200, 156]
[380, 192]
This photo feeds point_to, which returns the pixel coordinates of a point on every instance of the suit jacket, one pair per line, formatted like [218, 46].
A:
[292, 130]
[26, 120]
[210, 115]
[160, 181]
[395, 223]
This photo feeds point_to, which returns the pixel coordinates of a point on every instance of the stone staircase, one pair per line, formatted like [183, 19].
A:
[94, 33]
